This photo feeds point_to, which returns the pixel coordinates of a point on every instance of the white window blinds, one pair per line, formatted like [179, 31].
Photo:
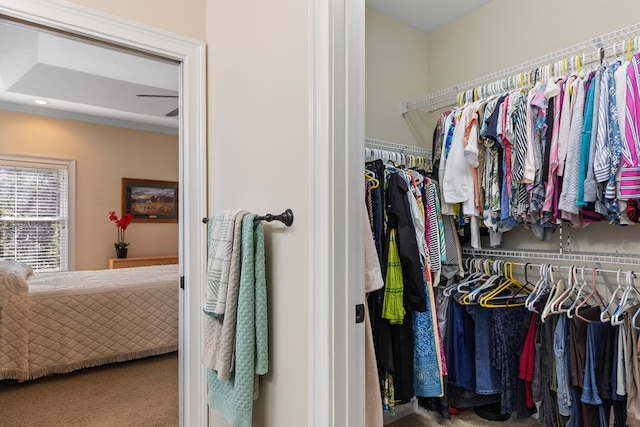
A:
[34, 213]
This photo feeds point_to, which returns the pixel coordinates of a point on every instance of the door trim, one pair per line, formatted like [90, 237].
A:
[192, 135]
[336, 213]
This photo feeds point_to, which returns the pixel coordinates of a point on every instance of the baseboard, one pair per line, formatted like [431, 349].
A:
[401, 411]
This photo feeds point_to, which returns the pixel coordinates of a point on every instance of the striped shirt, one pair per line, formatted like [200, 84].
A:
[630, 175]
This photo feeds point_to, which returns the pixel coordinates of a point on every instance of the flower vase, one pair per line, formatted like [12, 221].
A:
[121, 252]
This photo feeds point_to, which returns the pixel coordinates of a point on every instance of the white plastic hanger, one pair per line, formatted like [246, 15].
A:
[558, 305]
[616, 297]
[630, 297]
[541, 286]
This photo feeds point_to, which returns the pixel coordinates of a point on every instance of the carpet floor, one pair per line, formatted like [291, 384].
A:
[465, 419]
[139, 393]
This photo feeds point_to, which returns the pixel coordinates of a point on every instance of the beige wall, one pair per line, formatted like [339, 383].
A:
[505, 33]
[508, 32]
[396, 70]
[104, 155]
[258, 147]
[185, 17]
[258, 132]
[258, 136]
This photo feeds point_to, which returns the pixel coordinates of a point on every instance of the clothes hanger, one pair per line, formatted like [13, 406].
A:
[530, 286]
[484, 274]
[530, 299]
[539, 289]
[370, 176]
[505, 280]
[471, 297]
[476, 269]
[509, 293]
[557, 303]
[594, 294]
[468, 264]
[630, 297]
[607, 313]
[557, 288]
[572, 307]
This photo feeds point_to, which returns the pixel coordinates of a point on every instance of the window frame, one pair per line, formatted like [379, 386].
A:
[70, 165]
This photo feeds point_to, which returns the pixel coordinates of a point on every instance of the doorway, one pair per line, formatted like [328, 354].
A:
[190, 54]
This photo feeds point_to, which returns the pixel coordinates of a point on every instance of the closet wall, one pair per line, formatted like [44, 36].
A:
[396, 69]
[504, 33]
[507, 32]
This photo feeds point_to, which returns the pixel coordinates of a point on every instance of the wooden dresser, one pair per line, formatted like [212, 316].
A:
[142, 261]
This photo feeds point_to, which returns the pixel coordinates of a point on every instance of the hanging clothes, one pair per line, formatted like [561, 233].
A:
[563, 149]
[409, 349]
[577, 371]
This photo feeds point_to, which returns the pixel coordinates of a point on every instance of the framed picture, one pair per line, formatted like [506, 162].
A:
[149, 200]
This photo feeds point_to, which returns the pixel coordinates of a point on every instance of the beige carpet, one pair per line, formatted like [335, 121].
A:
[140, 393]
[464, 419]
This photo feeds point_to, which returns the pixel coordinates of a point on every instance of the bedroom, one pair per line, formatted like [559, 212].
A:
[103, 155]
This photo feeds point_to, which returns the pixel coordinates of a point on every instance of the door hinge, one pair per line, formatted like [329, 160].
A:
[359, 313]
[181, 282]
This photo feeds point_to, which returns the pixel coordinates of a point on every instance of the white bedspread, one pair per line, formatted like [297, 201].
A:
[88, 318]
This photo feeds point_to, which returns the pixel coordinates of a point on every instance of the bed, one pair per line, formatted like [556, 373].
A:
[63, 321]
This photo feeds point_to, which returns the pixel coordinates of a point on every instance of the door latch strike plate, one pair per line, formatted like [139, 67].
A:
[359, 313]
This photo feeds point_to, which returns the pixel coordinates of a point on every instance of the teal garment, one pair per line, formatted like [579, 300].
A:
[585, 146]
[234, 397]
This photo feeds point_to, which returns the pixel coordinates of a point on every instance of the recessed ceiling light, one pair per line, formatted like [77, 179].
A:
[40, 101]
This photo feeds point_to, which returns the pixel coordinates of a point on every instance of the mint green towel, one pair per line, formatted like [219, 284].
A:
[234, 397]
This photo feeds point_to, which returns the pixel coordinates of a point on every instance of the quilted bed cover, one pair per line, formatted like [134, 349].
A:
[63, 321]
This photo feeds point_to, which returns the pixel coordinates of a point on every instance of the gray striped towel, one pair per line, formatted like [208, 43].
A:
[220, 244]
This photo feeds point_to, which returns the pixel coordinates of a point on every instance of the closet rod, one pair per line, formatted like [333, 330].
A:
[285, 217]
[529, 265]
[607, 258]
[449, 94]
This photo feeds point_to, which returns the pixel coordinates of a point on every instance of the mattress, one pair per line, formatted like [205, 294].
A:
[72, 320]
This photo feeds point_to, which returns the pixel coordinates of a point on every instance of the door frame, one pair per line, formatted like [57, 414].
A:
[336, 389]
[192, 159]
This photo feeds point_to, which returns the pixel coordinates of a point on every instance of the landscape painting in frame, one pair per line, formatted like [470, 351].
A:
[150, 200]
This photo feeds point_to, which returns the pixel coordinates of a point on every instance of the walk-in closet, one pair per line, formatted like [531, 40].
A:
[502, 191]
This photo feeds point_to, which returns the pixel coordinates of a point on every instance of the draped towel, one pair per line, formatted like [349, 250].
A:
[234, 397]
[220, 245]
[220, 332]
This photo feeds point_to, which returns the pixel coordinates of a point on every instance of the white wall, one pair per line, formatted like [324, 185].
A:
[258, 140]
[396, 69]
[185, 17]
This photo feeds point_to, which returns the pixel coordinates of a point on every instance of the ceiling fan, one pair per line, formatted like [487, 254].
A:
[172, 113]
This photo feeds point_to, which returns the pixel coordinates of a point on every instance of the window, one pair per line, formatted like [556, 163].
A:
[35, 207]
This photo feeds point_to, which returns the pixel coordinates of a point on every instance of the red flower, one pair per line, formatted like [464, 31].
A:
[122, 225]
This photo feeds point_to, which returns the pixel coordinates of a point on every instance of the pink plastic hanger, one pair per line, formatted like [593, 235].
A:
[594, 293]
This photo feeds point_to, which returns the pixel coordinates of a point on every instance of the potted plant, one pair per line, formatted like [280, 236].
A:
[121, 225]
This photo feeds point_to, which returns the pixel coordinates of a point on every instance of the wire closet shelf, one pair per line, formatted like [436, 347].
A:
[397, 148]
[616, 42]
[578, 257]
[398, 151]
